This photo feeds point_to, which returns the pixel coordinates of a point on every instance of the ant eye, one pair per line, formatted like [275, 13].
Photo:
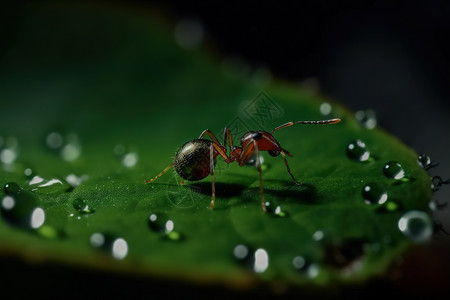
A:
[274, 152]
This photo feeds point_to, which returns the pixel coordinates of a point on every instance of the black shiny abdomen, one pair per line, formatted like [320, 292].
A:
[192, 161]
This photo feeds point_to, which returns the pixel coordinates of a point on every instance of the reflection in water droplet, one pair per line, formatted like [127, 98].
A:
[11, 188]
[374, 193]
[304, 266]
[160, 223]
[261, 260]
[82, 206]
[119, 248]
[394, 170]
[366, 118]
[416, 225]
[116, 246]
[325, 108]
[19, 208]
[189, 33]
[358, 151]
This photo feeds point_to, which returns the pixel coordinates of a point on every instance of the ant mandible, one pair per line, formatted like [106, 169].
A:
[196, 159]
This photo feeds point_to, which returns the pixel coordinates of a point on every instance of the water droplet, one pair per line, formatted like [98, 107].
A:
[50, 186]
[82, 206]
[28, 172]
[130, 159]
[437, 182]
[274, 209]
[325, 108]
[11, 188]
[116, 246]
[305, 266]
[54, 140]
[161, 223]
[366, 118]
[394, 170]
[67, 146]
[189, 33]
[241, 252]
[75, 180]
[318, 235]
[416, 225]
[374, 193]
[252, 161]
[19, 208]
[425, 162]
[261, 261]
[358, 151]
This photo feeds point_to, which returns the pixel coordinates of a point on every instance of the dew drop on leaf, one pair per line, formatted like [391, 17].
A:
[116, 246]
[358, 151]
[21, 209]
[394, 170]
[82, 206]
[374, 193]
[11, 188]
[416, 225]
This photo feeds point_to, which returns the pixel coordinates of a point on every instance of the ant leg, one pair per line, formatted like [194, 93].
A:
[227, 137]
[211, 135]
[211, 164]
[246, 154]
[288, 169]
[258, 163]
[160, 174]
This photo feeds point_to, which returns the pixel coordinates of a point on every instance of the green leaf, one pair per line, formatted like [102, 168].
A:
[99, 99]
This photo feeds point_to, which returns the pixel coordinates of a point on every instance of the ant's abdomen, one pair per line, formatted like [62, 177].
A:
[192, 161]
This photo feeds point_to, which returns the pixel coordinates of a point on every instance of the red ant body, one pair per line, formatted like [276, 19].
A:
[196, 159]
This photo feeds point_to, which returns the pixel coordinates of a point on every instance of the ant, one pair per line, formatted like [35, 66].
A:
[196, 159]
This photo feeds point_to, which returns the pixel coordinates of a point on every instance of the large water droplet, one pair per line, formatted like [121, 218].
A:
[358, 151]
[366, 118]
[305, 266]
[416, 225]
[48, 186]
[394, 170]
[82, 206]
[116, 246]
[374, 193]
[21, 209]
[161, 223]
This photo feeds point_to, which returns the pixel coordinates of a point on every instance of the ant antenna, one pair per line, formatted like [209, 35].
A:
[322, 122]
